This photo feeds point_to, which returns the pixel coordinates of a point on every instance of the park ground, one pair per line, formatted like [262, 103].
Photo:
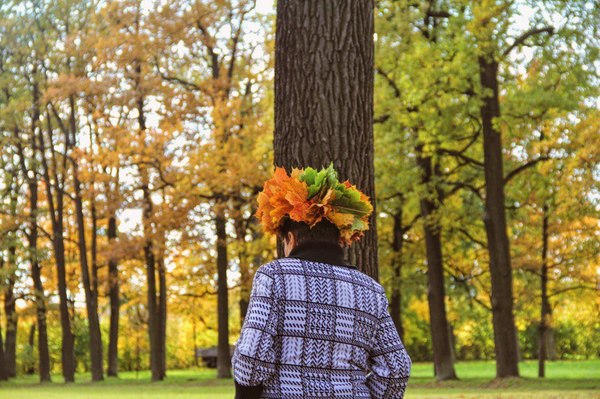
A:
[565, 380]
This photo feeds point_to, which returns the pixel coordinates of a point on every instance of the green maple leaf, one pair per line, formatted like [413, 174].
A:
[319, 181]
[350, 202]
[345, 200]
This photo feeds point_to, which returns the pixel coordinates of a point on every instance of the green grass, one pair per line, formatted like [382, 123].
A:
[565, 379]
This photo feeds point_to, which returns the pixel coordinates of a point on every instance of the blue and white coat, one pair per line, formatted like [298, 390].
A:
[318, 328]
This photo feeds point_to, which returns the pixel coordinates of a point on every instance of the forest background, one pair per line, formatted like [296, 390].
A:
[135, 136]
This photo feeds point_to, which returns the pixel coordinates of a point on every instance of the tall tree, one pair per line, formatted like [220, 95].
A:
[440, 334]
[324, 97]
[55, 189]
[124, 41]
[68, 23]
[91, 295]
[29, 169]
[488, 18]
[223, 94]
[412, 41]
[505, 333]
[20, 107]
[147, 216]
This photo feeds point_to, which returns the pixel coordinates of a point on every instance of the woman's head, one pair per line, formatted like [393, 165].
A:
[294, 233]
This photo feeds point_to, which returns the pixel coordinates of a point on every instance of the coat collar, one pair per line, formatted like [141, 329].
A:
[320, 251]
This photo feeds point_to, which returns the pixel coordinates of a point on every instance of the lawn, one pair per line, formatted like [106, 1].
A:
[565, 379]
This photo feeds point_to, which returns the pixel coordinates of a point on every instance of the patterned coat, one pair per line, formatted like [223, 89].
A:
[318, 328]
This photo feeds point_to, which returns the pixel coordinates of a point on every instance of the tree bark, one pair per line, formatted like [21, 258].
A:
[244, 266]
[94, 246]
[68, 338]
[440, 334]
[58, 244]
[196, 363]
[32, 235]
[223, 353]
[10, 345]
[545, 311]
[36, 275]
[153, 320]
[91, 299]
[147, 214]
[324, 97]
[153, 327]
[505, 332]
[396, 299]
[91, 296]
[113, 294]
[162, 312]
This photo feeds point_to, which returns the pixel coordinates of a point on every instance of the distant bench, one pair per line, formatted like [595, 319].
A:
[209, 355]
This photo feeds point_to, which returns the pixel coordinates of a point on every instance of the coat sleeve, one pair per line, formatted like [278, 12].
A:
[389, 362]
[254, 355]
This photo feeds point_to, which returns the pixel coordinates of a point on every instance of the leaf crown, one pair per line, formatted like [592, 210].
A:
[309, 196]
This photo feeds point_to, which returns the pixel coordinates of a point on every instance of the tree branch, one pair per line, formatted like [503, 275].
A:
[438, 14]
[460, 155]
[470, 237]
[175, 79]
[389, 81]
[458, 185]
[464, 282]
[526, 35]
[523, 167]
[381, 119]
[577, 287]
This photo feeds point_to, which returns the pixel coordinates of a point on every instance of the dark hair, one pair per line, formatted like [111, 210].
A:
[322, 231]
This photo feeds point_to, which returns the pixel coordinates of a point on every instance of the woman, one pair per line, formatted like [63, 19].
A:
[316, 326]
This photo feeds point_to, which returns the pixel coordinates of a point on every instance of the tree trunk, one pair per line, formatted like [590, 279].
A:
[162, 301]
[36, 276]
[223, 353]
[91, 296]
[30, 370]
[245, 290]
[149, 256]
[10, 346]
[396, 299]
[94, 246]
[68, 339]
[324, 97]
[162, 313]
[196, 363]
[3, 365]
[113, 294]
[505, 332]
[58, 243]
[32, 235]
[91, 299]
[153, 327]
[440, 335]
[545, 313]
[244, 266]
